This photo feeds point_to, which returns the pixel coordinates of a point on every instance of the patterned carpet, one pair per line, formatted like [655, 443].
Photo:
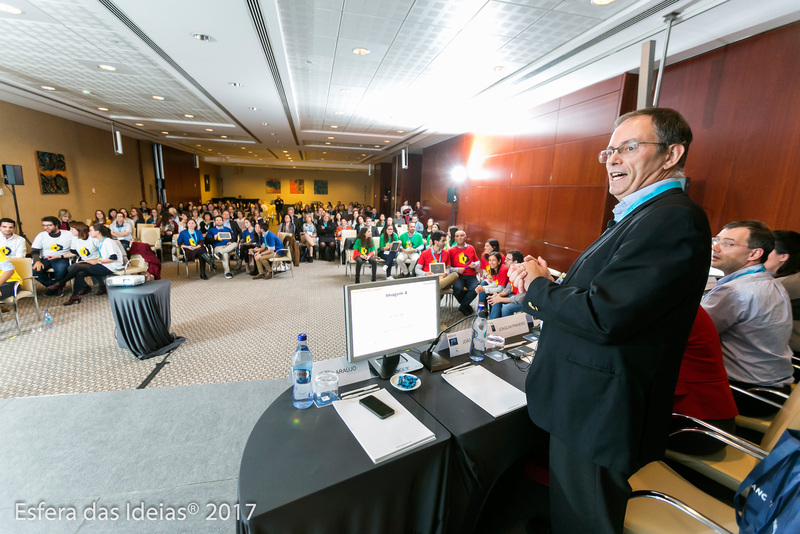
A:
[235, 330]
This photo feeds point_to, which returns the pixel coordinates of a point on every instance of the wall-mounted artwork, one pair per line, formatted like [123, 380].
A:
[273, 187]
[52, 173]
[320, 187]
[207, 182]
[297, 187]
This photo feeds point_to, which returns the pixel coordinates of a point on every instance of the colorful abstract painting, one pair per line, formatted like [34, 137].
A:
[52, 173]
[273, 187]
[320, 187]
[297, 187]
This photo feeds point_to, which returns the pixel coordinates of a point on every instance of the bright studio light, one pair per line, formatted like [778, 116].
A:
[459, 174]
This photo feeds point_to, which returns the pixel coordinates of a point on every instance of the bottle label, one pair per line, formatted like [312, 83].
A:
[302, 376]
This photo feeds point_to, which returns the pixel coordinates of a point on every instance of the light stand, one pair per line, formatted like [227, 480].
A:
[16, 210]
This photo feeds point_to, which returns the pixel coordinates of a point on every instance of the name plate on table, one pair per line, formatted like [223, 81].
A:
[348, 372]
[513, 325]
[458, 342]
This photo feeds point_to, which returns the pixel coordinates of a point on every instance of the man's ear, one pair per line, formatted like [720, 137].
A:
[756, 254]
[675, 154]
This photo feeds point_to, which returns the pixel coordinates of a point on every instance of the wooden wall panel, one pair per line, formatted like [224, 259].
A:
[575, 215]
[744, 109]
[588, 119]
[516, 198]
[181, 179]
[532, 167]
[576, 163]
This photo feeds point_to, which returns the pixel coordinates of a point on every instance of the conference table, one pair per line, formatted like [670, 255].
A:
[305, 472]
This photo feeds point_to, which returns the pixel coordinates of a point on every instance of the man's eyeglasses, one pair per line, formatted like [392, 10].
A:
[625, 149]
[725, 244]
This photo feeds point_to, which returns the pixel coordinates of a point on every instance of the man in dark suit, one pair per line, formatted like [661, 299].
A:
[615, 327]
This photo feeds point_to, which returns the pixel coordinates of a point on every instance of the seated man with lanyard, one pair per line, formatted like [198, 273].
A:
[436, 254]
[8, 277]
[463, 261]
[411, 244]
[122, 231]
[752, 313]
[220, 237]
[50, 249]
[268, 246]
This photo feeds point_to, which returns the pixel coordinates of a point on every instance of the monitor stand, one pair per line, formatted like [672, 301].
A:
[386, 366]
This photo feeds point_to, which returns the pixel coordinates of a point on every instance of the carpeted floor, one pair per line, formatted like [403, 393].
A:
[235, 330]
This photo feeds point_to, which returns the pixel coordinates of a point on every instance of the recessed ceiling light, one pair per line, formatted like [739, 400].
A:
[498, 68]
[377, 146]
[156, 97]
[103, 109]
[338, 112]
[209, 129]
[235, 84]
[208, 149]
[139, 124]
[363, 154]
[334, 126]
[249, 151]
[188, 116]
[324, 152]
[109, 68]
[224, 136]
[86, 92]
[196, 145]
[242, 148]
[601, 2]
[330, 137]
[327, 142]
[361, 51]
[386, 141]
[201, 37]
[48, 88]
[401, 131]
[11, 10]
[253, 108]
[345, 90]
[165, 133]
[285, 151]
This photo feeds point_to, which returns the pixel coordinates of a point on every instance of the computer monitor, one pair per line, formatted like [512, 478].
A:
[384, 319]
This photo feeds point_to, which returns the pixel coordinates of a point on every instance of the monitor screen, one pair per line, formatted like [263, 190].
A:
[386, 318]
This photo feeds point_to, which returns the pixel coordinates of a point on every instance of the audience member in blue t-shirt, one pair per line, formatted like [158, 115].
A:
[191, 243]
[269, 246]
[220, 238]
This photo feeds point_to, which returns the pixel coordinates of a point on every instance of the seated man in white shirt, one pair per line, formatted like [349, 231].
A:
[50, 249]
[122, 231]
[752, 313]
[12, 245]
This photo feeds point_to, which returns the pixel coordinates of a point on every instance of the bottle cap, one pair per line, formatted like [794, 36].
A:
[301, 337]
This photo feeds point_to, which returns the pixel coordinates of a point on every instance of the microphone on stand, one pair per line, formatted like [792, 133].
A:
[432, 360]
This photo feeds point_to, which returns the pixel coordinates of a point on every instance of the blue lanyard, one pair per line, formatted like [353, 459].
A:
[439, 259]
[657, 191]
[194, 236]
[751, 270]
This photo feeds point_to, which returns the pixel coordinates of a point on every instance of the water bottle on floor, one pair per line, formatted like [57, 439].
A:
[48, 320]
[302, 362]
[477, 351]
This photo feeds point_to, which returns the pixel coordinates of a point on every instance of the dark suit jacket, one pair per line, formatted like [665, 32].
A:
[614, 332]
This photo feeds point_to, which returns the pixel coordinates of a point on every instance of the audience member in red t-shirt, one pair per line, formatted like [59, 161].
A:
[702, 391]
[463, 262]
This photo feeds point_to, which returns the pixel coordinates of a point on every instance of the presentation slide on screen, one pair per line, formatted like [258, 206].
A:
[393, 316]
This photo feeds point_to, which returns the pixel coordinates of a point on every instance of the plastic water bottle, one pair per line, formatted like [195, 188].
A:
[302, 362]
[477, 351]
[48, 320]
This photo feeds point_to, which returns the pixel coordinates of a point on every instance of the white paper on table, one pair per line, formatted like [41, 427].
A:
[383, 439]
[487, 390]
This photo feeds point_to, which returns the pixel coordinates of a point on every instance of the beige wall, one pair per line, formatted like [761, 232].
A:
[213, 172]
[97, 178]
[249, 182]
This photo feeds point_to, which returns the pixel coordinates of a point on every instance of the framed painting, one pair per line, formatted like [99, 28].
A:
[320, 187]
[297, 187]
[273, 187]
[52, 173]
[207, 182]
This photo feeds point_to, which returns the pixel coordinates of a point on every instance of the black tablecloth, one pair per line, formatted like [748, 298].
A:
[485, 447]
[142, 315]
[306, 472]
